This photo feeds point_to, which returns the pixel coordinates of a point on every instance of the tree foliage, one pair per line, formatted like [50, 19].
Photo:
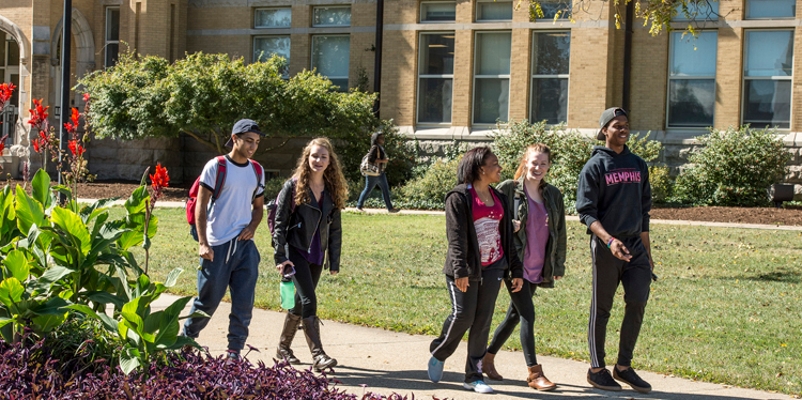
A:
[202, 96]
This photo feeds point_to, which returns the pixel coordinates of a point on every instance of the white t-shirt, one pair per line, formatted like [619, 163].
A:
[231, 212]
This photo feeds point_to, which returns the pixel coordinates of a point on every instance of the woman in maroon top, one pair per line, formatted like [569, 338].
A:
[480, 254]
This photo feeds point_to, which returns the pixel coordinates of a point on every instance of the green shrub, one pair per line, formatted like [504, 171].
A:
[734, 167]
[662, 184]
[432, 187]
[273, 186]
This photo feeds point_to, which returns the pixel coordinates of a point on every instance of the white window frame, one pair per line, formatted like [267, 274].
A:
[348, 7]
[106, 31]
[256, 11]
[313, 63]
[789, 78]
[478, 9]
[687, 77]
[433, 76]
[477, 76]
[534, 76]
[422, 15]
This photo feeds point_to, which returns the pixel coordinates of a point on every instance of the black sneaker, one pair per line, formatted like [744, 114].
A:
[632, 379]
[602, 380]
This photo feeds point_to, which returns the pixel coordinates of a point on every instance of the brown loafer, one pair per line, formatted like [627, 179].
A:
[537, 380]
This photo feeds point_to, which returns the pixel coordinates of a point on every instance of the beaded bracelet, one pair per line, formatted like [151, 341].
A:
[610, 242]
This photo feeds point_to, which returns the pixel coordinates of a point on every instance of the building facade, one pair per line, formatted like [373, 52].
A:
[449, 70]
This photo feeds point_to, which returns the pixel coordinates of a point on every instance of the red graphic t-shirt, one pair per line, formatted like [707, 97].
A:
[486, 220]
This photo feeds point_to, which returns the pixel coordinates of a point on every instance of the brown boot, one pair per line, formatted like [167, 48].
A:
[489, 368]
[537, 380]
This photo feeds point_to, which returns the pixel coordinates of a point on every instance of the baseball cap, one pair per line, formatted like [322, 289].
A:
[243, 126]
[608, 116]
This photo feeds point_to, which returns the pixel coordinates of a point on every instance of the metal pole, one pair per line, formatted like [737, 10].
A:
[377, 65]
[66, 34]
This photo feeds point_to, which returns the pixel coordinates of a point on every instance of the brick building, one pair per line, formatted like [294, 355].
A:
[449, 69]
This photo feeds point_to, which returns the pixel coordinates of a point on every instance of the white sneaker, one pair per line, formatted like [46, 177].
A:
[478, 387]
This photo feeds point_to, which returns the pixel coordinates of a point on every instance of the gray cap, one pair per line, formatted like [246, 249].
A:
[243, 126]
[608, 116]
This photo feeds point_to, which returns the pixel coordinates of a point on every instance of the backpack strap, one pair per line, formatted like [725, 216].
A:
[257, 168]
[220, 178]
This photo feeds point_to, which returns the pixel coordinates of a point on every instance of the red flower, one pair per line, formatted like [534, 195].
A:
[160, 179]
[86, 97]
[75, 117]
[43, 136]
[75, 148]
[38, 113]
[6, 90]
[35, 145]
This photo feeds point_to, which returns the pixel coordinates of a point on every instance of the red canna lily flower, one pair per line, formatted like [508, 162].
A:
[72, 144]
[38, 113]
[160, 179]
[75, 117]
[36, 147]
[6, 90]
[86, 97]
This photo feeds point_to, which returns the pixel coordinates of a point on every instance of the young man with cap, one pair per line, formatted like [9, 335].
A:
[614, 199]
[226, 226]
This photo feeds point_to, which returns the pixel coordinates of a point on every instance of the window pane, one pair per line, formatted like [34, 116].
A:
[112, 50]
[112, 24]
[551, 53]
[549, 100]
[264, 47]
[770, 8]
[434, 100]
[438, 11]
[693, 56]
[769, 53]
[2, 49]
[551, 7]
[705, 11]
[273, 18]
[13, 54]
[331, 16]
[691, 102]
[497, 10]
[493, 53]
[491, 100]
[767, 102]
[330, 56]
[437, 54]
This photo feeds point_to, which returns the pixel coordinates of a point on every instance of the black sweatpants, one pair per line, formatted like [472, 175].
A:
[306, 278]
[608, 272]
[472, 310]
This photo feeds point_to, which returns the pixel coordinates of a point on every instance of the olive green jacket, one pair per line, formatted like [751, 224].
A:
[554, 263]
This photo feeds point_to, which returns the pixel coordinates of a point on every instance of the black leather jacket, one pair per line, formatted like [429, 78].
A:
[296, 227]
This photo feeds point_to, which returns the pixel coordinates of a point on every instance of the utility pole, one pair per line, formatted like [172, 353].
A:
[66, 34]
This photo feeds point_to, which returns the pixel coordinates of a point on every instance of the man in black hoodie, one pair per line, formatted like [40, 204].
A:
[614, 199]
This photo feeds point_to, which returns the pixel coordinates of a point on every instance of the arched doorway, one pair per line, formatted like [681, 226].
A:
[84, 57]
[9, 73]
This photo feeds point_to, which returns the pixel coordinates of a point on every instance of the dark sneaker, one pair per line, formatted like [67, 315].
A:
[632, 379]
[393, 211]
[602, 380]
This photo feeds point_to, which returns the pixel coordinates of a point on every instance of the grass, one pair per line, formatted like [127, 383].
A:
[727, 307]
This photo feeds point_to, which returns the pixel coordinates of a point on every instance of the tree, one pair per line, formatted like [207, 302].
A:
[657, 13]
[203, 95]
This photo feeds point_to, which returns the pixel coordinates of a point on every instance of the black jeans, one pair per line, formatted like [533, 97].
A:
[472, 310]
[521, 309]
[306, 278]
[608, 272]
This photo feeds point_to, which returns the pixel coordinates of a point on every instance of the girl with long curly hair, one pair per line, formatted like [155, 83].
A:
[307, 227]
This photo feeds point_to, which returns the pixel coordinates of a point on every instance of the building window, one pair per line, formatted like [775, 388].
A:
[768, 65]
[331, 16]
[435, 11]
[692, 80]
[551, 53]
[551, 8]
[435, 77]
[491, 95]
[770, 9]
[330, 56]
[112, 36]
[494, 10]
[265, 47]
[704, 11]
[271, 18]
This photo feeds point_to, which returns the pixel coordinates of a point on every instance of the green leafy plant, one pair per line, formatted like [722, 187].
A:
[433, 185]
[733, 167]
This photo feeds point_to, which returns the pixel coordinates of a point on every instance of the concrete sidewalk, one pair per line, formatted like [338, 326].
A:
[384, 362]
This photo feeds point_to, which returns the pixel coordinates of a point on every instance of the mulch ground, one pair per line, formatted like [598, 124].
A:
[789, 215]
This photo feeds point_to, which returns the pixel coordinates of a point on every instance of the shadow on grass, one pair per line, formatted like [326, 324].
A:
[784, 275]
[404, 382]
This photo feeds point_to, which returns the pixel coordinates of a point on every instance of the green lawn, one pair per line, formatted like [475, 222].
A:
[726, 309]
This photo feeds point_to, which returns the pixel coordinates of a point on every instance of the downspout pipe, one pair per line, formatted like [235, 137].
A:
[64, 113]
[377, 64]
[629, 29]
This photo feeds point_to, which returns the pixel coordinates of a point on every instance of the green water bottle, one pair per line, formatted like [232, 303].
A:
[287, 291]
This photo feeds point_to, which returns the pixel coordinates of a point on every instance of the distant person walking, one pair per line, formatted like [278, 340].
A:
[307, 226]
[480, 254]
[378, 157]
[613, 200]
[226, 227]
[538, 217]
